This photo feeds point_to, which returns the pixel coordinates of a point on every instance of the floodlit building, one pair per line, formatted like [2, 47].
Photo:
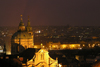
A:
[42, 59]
[22, 39]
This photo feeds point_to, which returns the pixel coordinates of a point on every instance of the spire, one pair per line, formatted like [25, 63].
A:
[28, 23]
[21, 18]
[28, 28]
[28, 18]
[21, 22]
[21, 25]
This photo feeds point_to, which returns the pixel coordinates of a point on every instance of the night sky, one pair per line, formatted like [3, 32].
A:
[50, 12]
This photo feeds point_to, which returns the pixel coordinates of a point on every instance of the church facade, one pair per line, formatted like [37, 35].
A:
[42, 59]
[22, 39]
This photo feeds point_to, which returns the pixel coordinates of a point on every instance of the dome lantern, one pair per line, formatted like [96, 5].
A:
[21, 26]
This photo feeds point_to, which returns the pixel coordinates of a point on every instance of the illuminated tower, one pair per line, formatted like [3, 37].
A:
[21, 26]
[28, 27]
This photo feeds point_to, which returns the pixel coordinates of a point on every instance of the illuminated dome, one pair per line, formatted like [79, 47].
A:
[22, 39]
[21, 35]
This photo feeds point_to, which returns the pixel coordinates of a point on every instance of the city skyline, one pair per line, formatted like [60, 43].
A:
[50, 13]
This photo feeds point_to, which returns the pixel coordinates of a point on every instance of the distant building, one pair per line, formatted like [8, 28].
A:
[58, 45]
[22, 39]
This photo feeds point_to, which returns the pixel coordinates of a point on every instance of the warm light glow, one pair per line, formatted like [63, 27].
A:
[54, 46]
[7, 57]
[39, 31]
[89, 45]
[64, 46]
[73, 45]
[41, 44]
[60, 65]
[35, 46]
[1, 57]
[80, 48]
[83, 45]
[95, 60]
[8, 53]
[93, 45]
[77, 57]
[41, 50]
[0, 47]
[17, 56]
[78, 45]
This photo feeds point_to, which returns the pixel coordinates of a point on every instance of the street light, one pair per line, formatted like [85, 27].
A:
[60, 65]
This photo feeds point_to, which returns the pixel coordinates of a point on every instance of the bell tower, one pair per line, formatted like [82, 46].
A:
[21, 26]
[28, 27]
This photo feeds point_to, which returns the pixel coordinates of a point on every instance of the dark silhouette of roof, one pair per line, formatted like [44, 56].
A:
[58, 54]
[96, 64]
[27, 54]
[62, 58]
[10, 63]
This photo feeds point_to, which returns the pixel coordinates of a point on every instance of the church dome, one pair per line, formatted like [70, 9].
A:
[21, 35]
[21, 24]
[22, 39]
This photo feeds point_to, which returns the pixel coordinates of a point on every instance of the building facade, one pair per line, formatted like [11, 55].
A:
[42, 59]
[22, 39]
